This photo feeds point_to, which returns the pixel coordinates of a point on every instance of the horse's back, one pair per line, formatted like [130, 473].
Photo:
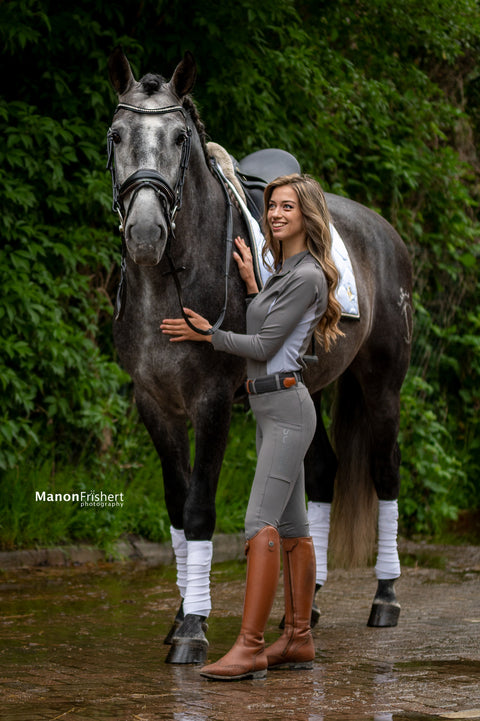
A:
[370, 237]
[383, 276]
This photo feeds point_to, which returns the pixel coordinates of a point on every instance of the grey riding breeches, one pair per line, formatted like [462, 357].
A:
[286, 421]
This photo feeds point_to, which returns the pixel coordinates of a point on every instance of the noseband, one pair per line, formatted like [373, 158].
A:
[171, 200]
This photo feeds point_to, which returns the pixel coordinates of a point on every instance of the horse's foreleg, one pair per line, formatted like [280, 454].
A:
[171, 441]
[211, 420]
[180, 550]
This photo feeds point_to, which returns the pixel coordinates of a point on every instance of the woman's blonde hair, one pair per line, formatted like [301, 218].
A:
[316, 219]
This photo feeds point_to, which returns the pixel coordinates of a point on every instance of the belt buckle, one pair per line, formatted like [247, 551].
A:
[249, 386]
[289, 382]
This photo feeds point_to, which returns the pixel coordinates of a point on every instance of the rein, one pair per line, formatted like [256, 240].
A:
[171, 200]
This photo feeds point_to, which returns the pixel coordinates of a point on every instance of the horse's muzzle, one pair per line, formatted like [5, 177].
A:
[146, 245]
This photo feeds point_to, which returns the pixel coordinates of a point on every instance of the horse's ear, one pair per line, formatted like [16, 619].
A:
[183, 79]
[121, 75]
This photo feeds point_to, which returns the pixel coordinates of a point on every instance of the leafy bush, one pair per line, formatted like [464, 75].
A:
[379, 102]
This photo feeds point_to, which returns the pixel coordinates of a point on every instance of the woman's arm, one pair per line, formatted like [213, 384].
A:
[178, 328]
[299, 293]
[288, 310]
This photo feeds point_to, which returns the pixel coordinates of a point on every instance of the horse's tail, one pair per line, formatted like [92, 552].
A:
[354, 510]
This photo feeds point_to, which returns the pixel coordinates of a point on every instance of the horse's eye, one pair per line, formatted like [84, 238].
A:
[181, 139]
[115, 136]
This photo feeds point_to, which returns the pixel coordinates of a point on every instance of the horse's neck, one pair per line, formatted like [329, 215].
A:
[202, 221]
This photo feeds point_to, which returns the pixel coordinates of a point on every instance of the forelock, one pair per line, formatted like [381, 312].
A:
[152, 83]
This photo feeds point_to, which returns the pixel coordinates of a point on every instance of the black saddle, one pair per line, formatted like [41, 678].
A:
[258, 169]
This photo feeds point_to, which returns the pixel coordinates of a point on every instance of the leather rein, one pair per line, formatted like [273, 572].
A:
[171, 201]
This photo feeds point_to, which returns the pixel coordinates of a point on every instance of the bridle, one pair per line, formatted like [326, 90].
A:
[171, 201]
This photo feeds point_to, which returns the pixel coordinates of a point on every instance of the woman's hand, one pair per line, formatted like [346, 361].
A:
[245, 265]
[179, 330]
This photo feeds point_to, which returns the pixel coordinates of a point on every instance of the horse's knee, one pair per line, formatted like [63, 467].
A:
[199, 521]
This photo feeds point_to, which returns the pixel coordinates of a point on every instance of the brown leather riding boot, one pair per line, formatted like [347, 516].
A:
[295, 648]
[247, 658]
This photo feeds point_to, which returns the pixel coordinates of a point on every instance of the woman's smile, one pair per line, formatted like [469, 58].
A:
[286, 220]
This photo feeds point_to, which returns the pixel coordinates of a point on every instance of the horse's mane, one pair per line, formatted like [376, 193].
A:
[152, 83]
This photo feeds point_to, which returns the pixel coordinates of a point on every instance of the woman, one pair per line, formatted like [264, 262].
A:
[297, 300]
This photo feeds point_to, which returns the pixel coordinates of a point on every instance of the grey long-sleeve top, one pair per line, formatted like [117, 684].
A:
[280, 319]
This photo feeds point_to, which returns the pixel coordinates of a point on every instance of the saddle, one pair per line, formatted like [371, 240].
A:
[257, 170]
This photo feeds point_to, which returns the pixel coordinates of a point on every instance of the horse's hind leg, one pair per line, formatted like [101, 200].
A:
[320, 469]
[383, 407]
[385, 608]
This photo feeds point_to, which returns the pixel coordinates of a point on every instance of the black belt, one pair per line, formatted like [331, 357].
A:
[275, 382]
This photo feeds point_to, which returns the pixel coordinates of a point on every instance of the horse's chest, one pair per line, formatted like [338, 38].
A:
[144, 352]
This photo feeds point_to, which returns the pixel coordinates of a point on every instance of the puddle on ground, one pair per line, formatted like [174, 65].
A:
[87, 644]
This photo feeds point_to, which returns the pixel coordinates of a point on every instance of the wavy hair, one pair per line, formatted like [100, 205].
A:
[316, 220]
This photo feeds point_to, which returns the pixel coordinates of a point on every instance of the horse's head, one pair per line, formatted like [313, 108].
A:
[149, 146]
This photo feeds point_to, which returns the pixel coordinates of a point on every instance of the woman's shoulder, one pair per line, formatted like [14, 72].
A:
[307, 279]
[310, 269]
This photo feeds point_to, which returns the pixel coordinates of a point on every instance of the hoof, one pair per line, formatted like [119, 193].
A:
[176, 625]
[385, 607]
[168, 638]
[383, 615]
[189, 643]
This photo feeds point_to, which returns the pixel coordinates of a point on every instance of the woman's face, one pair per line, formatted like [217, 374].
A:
[285, 218]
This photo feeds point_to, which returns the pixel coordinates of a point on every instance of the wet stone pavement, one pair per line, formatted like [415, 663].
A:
[86, 643]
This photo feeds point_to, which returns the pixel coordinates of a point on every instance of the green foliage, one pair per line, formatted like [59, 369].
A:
[55, 377]
[380, 102]
[431, 473]
[130, 468]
